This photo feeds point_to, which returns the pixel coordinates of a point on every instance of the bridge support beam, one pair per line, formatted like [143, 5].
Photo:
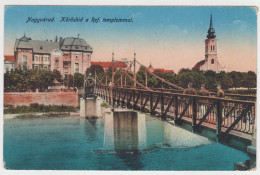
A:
[163, 116]
[219, 121]
[176, 109]
[151, 103]
[194, 114]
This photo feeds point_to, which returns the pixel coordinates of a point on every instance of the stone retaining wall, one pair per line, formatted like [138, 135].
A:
[46, 98]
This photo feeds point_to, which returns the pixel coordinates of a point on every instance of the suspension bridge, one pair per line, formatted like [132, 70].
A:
[228, 118]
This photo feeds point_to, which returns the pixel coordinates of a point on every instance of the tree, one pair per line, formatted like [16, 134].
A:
[95, 69]
[225, 80]
[78, 80]
[237, 78]
[249, 80]
[57, 75]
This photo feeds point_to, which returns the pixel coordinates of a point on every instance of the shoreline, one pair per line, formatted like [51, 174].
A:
[41, 114]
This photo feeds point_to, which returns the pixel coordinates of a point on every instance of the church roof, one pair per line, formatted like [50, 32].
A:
[211, 31]
[198, 65]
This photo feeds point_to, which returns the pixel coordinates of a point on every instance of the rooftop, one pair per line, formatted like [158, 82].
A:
[9, 58]
[47, 46]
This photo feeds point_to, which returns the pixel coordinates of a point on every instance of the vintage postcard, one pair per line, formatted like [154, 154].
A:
[130, 88]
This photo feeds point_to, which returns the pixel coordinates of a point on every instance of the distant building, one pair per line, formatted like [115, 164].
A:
[151, 69]
[8, 63]
[211, 57]
[107, 65]
[69, 55]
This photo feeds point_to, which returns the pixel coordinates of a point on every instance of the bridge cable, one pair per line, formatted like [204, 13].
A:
[163, 80]
[125, 73]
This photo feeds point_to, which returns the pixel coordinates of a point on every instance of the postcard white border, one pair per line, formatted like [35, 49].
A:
[121, 3]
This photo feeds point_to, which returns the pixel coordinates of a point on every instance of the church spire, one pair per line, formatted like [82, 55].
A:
[211, 31]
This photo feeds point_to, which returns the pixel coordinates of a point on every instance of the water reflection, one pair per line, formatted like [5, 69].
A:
[124, 131]
[91, 128]
[176, 137]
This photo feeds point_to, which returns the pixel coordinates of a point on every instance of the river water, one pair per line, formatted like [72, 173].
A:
[115, 141]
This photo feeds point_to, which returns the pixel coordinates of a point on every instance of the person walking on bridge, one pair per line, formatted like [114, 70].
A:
[220, 92]
[203, 92]
[190, 90]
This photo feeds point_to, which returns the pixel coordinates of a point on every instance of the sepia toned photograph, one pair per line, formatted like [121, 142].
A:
[130, 88]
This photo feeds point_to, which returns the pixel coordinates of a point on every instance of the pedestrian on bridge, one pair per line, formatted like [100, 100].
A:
[190, 90]
[220, 92]
[203, 92]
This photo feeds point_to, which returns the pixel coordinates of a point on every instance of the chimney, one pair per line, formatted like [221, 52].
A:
[60, 41]
[56, 39]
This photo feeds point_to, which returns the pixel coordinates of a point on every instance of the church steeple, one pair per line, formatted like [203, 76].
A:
[211, 31]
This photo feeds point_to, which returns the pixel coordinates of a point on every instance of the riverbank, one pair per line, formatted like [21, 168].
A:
[41, 114]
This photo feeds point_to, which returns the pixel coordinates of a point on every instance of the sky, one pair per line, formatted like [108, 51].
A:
[169, 37]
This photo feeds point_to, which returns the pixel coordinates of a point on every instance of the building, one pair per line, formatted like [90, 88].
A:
[8, 63]
[151, 69]
[211, 57]
[69, 55]
[107, 65]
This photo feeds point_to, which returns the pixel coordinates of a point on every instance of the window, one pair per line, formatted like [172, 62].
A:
[36, 67]
[213, 47]
[66, 67]
[76, 68]
[24, 62]
[46, 58]
[76, 47]
[212, 61]
[77, 56]
[36, 58]
[57, 62]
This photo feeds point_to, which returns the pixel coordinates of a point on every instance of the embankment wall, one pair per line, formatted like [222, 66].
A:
[46, 98]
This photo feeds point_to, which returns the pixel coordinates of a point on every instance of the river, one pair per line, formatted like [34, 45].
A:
[115, 141]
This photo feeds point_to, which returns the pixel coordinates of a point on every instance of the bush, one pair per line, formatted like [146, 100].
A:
[104, 105]
[35, 107]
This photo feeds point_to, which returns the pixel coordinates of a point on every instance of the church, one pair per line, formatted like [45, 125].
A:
[211, 57]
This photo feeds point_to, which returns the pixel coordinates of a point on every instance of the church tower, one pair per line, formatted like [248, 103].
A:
[211, 56]
[211, 45]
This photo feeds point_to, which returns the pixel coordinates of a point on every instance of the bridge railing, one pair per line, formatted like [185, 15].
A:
[222, 114]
